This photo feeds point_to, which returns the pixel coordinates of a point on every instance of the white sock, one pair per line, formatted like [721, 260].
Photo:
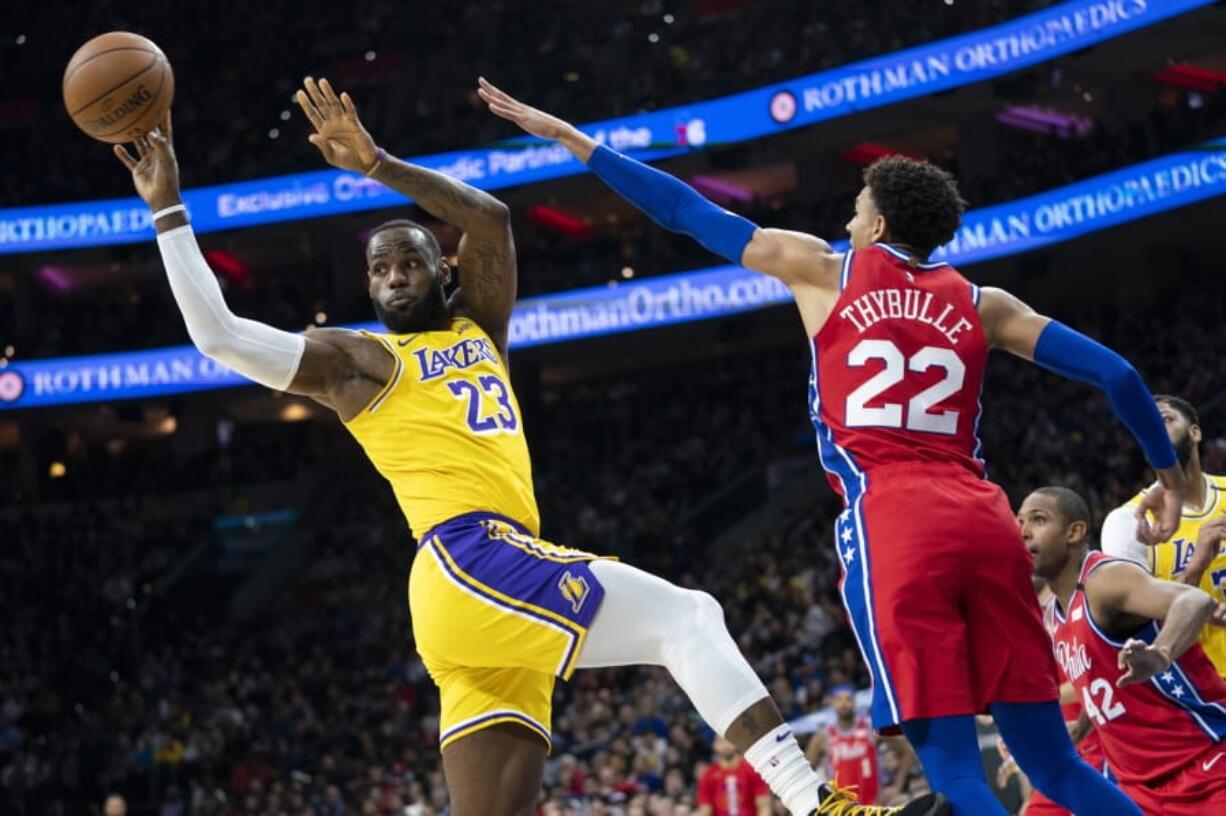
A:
[782, 765]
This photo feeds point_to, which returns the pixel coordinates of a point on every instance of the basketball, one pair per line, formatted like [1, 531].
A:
[117, 86]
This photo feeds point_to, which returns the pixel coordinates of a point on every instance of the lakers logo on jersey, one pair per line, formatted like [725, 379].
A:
[574, 590]
[1182, 554]
[465, 354]
[447, 434]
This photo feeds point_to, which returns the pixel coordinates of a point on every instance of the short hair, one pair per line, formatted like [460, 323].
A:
[1069, 505]
[920, 201]
[405, 223]
[1181, 405]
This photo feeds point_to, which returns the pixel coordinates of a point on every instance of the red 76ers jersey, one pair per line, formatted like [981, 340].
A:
[898, 367]
[1148, 730]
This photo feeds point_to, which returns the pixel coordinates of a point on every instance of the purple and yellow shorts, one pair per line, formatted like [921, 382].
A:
[497, 615]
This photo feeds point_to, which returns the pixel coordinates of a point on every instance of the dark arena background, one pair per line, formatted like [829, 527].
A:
[203, 582]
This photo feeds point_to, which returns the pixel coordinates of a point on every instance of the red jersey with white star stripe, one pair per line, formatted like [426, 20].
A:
[1152, 730]
[935, 575]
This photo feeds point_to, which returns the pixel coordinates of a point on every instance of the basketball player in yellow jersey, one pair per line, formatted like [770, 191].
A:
[497, 612]
[1195, 553]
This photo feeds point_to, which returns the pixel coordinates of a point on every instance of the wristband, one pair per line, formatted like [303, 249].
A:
[379, 157]
[169, 211]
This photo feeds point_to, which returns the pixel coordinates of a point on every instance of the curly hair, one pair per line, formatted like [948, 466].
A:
[920, 201]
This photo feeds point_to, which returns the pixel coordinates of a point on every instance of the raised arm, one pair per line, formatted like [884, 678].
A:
[1015, 327]
[487, 251]
[798, 259]
[1122, 592]
[339, 369]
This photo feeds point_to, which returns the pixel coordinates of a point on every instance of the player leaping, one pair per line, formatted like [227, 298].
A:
[935, 577]
[497, 612]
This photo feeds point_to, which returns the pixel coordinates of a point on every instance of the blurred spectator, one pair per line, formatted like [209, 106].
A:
[730, 787]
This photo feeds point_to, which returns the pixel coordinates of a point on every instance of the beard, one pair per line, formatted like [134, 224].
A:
[420, 316]
[1183, 449]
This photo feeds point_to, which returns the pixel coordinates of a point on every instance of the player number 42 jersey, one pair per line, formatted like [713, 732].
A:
[898, 367]
[1148, 730]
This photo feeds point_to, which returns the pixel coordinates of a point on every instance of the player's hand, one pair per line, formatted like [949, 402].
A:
[339, 134]
[1219, 616]
[1207, 542]
[1142, 661]
[1158, 514]
[533, 121]
[155, 170]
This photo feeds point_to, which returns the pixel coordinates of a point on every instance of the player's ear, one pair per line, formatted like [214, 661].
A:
[443, 272]
[1077, 531]
[879, 228]
[1195, 434]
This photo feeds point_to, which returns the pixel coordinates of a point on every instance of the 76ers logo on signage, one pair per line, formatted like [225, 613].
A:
[12, 386]
[783, 107]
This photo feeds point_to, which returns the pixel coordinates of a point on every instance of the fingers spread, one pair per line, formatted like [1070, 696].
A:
[330, 95]
[312, 115]
[129, 161]
[317, 97]
[166, 126]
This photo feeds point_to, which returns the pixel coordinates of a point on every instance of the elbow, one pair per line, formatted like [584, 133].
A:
[497, 212]
[1204, 604]
[1120, 374]
[212, 347]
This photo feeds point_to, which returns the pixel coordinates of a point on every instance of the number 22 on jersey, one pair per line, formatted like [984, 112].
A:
[488, 404]
[917, 414]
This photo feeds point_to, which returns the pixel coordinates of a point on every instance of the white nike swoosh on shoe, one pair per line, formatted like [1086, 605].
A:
[1207, 765]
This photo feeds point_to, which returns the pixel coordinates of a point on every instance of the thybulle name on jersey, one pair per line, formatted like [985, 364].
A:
[877, 305]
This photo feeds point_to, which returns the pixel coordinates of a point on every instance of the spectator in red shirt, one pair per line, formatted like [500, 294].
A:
[731, 787]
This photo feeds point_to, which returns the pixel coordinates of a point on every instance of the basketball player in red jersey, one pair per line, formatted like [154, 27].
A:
[850, 747]
[935, 575]
[1074, 518]
[1156, 701]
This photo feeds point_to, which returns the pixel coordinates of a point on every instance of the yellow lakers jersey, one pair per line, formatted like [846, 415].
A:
[446, 430]
[1169, 560]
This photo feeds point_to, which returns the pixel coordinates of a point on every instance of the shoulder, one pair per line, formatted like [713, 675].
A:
[356, 344]
[797, 258]
[1108, 576]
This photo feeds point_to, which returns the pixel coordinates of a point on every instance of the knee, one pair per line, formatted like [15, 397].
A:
[708, 613]
[696, 615]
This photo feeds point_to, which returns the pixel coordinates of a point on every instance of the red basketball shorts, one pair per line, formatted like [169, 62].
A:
[937, 582]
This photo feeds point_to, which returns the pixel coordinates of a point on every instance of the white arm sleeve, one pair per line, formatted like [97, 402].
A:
[261, 353]
[1119, 537]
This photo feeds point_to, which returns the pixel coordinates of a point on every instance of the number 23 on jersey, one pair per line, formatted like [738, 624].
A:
[487, 402]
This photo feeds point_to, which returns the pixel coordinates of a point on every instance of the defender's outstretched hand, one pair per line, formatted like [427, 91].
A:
[339, 134]
[155, 170]
[535, 122]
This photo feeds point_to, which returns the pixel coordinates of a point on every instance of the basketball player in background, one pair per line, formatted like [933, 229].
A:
[1064, 514]
[936, 580]
[497, 612]
[1127, 642]
[729, 787]
[847, 748]
[1194, 553]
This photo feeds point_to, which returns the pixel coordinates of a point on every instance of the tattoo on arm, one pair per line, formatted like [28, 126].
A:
[445, 198]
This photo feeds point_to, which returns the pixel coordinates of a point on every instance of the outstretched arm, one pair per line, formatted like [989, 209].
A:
[1013, 326]
[487, 252]
[1122, 590]
[797, 259]
[335, 371]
